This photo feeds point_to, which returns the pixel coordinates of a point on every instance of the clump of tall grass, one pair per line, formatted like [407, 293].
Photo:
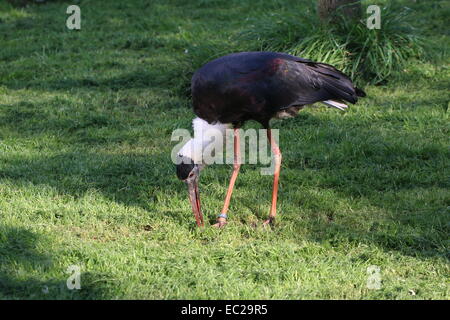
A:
[367, 55]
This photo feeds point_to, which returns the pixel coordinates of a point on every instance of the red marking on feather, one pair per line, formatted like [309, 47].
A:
[271, 68]
[275, 64]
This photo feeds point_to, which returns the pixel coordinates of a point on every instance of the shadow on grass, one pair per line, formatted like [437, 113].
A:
[382, 167]
[139, 179]
[138, 79]
[26, 270]
[126, 178]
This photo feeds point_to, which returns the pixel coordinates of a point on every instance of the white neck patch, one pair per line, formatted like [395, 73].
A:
[204, 134]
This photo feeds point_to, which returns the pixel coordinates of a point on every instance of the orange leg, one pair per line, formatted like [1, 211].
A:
[277, 153]
[222, 220]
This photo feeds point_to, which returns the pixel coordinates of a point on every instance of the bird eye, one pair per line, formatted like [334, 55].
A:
[191, 175]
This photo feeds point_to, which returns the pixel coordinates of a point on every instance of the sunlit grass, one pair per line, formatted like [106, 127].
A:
[86, 179]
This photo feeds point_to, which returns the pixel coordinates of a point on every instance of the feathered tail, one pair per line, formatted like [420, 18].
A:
[338, 85]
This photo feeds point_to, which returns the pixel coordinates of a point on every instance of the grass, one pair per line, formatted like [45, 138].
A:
[367, 55]
[85, 177]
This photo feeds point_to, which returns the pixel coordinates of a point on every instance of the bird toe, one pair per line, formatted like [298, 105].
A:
[220, 224]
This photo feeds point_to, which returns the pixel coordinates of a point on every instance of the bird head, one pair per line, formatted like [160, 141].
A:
[190, 159]
[189, 172]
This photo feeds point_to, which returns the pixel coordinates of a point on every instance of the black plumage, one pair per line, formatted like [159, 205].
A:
[257, 85]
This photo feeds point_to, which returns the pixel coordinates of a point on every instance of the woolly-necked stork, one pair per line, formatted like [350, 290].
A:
[259, 86]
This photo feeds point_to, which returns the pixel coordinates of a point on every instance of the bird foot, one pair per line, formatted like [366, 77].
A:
[269, 222]
[220, 223]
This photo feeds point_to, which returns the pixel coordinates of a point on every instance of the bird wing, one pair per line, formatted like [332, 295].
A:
[307, 82]
[256, 85]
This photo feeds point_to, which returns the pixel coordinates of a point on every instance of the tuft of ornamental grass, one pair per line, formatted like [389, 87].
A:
[367, 55]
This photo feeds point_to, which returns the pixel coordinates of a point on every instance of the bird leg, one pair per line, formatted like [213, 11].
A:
[222, 220]
[277, 154]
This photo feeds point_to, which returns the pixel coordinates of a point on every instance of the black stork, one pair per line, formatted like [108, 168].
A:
[258, 86]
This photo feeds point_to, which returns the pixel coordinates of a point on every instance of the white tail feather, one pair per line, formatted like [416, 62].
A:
[335, 104]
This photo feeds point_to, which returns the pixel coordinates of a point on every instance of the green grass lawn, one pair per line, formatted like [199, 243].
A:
[86, 178]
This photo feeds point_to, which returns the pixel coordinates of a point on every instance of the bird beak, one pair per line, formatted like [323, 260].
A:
[194, 198]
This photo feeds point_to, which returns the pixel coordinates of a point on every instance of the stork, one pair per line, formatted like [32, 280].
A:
[259, 86]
